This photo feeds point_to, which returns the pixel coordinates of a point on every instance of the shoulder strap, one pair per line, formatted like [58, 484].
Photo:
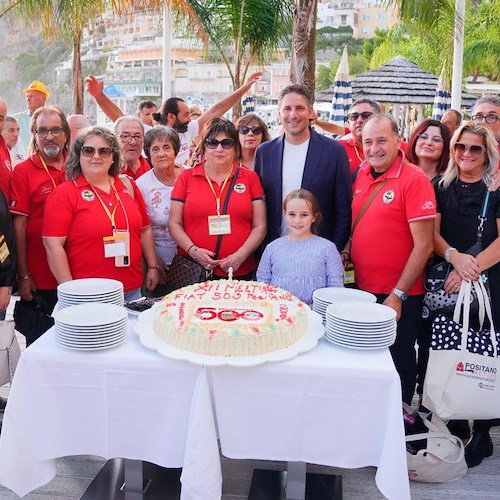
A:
[224, 209]
[128, 184]
[483, 216]
[367, 203]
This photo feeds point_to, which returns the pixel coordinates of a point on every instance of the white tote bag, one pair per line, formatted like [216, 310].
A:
[463, 379]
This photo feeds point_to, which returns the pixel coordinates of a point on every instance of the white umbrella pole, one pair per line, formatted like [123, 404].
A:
[458, 53]
[167, 68]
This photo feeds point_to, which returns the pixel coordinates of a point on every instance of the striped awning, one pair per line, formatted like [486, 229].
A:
[248, 105]
[442, 99]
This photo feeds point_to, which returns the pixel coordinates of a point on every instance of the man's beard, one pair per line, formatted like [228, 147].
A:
[180, 127]
[52, 151]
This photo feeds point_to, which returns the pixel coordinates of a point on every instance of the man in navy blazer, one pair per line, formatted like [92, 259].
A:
[301, 158]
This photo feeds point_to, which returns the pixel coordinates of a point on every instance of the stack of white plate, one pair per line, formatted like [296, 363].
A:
[360, 325]
[92, 326]
[87, 290]
[323, 297]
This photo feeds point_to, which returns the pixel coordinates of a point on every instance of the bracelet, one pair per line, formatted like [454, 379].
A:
[188, 250]
[448, 252]
[345, 252]
[195, 252]
[157, 268]
[25, 277]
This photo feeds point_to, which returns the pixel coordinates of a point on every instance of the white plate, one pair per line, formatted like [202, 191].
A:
[360, 338]
[334, 294]
[96, 348]
[144, 328]
[361, 312]
[90, 338]
[362, 327]
[94, 343]
[90, 329]
[90, 286]
[92, 314]
[371, 348]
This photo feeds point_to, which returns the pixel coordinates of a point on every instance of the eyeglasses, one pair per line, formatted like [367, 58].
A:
[89, 152]
[354, 116]
[214, 143]
[488, 118]
[435, 138]
[44, 132]
[474, 149]
[128, 137]
[255, 130]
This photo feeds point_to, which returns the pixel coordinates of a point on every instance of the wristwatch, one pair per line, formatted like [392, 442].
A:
[402, 296]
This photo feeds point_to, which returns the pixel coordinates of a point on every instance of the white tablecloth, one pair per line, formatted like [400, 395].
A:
[330, 406]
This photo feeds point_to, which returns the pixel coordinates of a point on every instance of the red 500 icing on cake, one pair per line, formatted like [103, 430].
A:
[231, 318]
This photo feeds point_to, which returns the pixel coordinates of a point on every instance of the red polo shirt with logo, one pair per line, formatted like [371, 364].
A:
[382, 240]
[193, 190]
[5, 169]
[143, 168]
[31, 185]
[74, 211]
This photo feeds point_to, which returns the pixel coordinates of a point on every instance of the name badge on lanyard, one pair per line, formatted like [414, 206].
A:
[114, 246]
[219, 224]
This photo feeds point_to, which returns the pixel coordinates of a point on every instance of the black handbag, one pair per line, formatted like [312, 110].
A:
[32, 318]
[436, 300]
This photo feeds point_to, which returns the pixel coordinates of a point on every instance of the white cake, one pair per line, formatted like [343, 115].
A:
[231, 318]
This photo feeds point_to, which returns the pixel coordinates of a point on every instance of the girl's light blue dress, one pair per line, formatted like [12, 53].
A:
[301, 266]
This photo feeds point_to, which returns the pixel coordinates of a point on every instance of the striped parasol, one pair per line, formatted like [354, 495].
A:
[442, 99]
[248, 105]
[342, 93]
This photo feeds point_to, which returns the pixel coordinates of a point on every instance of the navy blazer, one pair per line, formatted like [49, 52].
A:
[326, 175]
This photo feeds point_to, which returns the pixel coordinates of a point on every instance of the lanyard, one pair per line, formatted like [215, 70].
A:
[358, 155]
[217, 198]
[47, 170]
[111, 215]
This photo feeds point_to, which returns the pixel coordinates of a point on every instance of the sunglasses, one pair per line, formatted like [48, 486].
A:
[435, 138]
[214, 143]
[89, 152]
[474, 150]
[354, 116]
[255, 130]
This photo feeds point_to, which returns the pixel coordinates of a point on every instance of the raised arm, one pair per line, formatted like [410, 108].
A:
[95, 88]
[219, 108]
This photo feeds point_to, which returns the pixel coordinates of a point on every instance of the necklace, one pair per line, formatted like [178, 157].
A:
[165, 182]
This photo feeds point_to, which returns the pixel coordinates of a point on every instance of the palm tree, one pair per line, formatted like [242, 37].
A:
[244, 32]
[303, 66]
[67, 19]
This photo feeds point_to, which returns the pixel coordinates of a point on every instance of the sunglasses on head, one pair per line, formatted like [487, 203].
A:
[474, 149]
[89, 152]
[365, 115]
[212, 143]
[244, 130]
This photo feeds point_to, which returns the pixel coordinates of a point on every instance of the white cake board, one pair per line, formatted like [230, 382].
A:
[144, 328]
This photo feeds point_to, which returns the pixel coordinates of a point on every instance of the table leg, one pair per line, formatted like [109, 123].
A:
[296, 481]
[133, 486]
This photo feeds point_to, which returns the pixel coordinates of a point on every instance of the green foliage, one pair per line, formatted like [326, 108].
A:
[325, 76]
[370, 44]
[330, 37]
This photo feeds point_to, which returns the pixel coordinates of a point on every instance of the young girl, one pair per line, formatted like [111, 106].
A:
[301, 262]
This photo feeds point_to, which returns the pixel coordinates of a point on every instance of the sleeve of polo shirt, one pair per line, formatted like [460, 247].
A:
[420, 199]
[180, 188]
[19, 191]
[256, 190]
[59, 213]
[141, 205]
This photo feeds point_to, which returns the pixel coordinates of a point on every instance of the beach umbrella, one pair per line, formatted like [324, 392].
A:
[342, 93]
[442, 99]
[248, 105]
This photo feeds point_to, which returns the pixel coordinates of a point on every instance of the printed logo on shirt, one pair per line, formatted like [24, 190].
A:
[88, 195]
[388, 197]
[240, 188]
[428, 205]
[358, 191]
[13, 203]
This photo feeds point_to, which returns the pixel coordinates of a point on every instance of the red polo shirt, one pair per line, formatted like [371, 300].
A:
[355, 153]
[30, 186]
[193, 190]
[143, 168]
[5, 168]
[73, 211]
[382, 240]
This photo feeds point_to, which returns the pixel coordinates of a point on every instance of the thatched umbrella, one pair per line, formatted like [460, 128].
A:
[398, 82]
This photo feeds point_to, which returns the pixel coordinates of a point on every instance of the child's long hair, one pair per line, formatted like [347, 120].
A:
[312, 202]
